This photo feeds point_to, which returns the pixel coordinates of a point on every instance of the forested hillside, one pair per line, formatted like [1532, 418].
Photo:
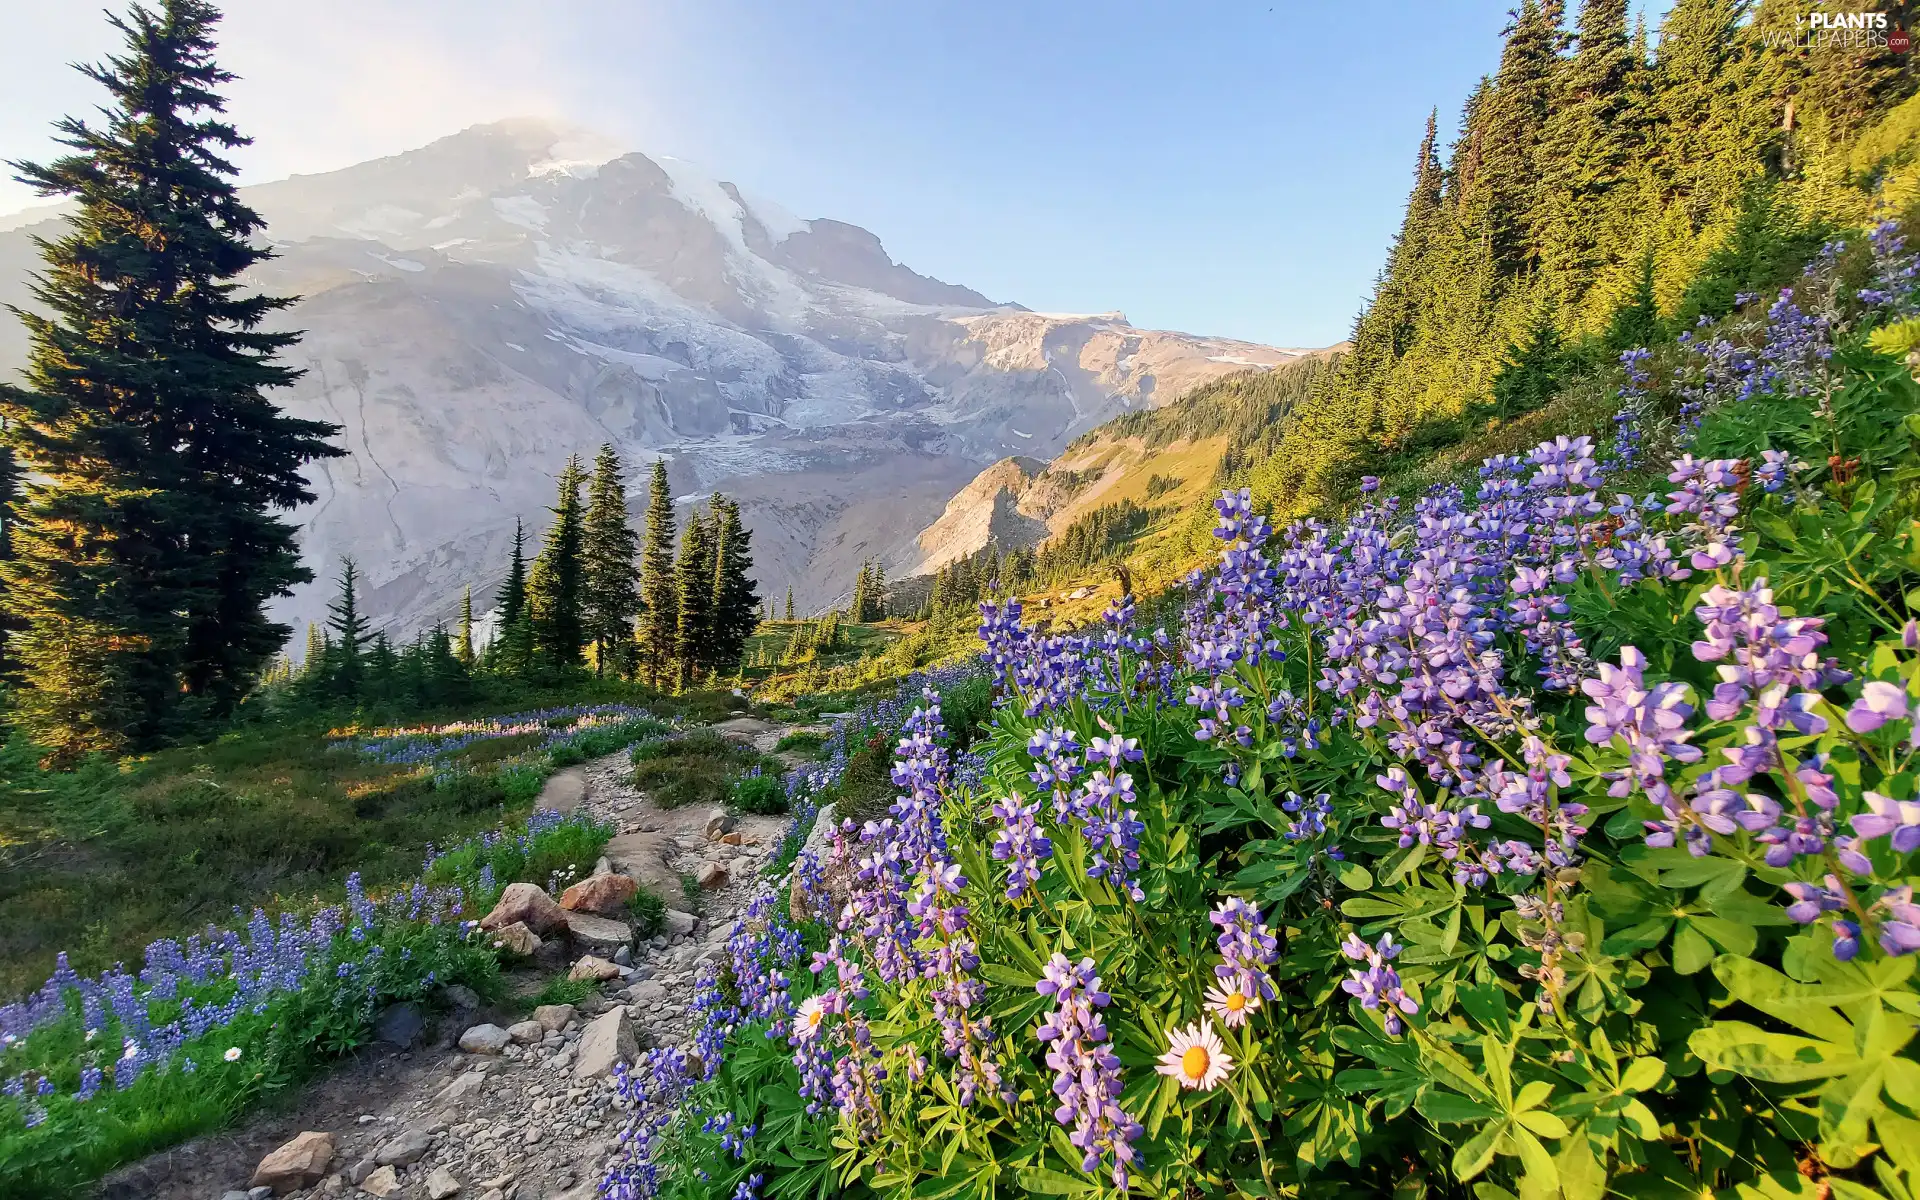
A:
[1605, 184]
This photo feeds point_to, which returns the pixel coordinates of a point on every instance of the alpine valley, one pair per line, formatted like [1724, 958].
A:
[480, 308]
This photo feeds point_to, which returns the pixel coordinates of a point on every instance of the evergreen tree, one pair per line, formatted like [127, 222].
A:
[659, 631]
[1589, 149]
[556, 588]
[1532, 373]
[346, 659]
[512, 649]
[693, 576]
[876, 594]
[462, 645]
[736, 600]
[315, 663]
[789, 603]
[612, 578]
[857, 606]
[1637, 322]
[147, 545]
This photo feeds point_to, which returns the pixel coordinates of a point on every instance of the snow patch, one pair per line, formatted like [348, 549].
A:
[777, 221]
[514, 346]
[382, 221]
[701, 194]
[451, 243]
[400, 264]
[523, 211]
[1236, 360]
[1019, 433]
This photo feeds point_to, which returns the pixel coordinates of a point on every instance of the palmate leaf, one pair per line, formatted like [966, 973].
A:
[1849, 1038]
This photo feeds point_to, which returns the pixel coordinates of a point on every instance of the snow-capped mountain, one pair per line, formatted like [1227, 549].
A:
[478, 309]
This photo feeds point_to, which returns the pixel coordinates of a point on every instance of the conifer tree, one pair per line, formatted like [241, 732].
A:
[789, 603]
[736, 600]
[659, 631]
[857, 606]
[1636, 322]
[1531, 374]
[693, 575]
[612, 578]
[147, 545]
[462, 644]
[556, 588]
[1592, 142]
[315, 663]
[346, 659]
[512, 649]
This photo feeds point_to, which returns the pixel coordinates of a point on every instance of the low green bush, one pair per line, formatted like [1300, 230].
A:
[561, 990]
[807, 743]
[648, 912]
[759, 792]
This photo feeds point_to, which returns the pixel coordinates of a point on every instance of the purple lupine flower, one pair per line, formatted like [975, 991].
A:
[1020, 844]
[1378, 985]
[1086, 1071]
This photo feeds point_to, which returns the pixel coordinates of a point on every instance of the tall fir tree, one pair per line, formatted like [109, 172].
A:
[659, 630]
[693, 576]
[147, 544]
[612, 580]
[346, 658]
[736, 600]
[462, 645]
[789, 604]
[315, 662]
[556, 588]
[1532, 372]
[857, 604]
[1591, 146]
[512, 648]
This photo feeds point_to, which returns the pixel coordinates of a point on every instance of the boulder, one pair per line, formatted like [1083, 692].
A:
[606, 1041]
[382, 1183]
[646, 994]
[719, 822]
[403, 1149]
[399, 1025]
[516, 939]
[526, 1032]
[597, 935]
[551, 954]
[593, 969]
[459, 996]
[300, 1163]
[530, 906]
[485, 1039]
[604, 894]
[677, 922]
[358, 1172]
[441, 1184]
[553, 1017]
[711, 876]
[736, 838]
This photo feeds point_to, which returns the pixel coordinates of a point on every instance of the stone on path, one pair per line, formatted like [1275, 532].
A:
[719, 822]
[441, 1184]
[711, 876]
[597, 935]
[593, 969]
[403, 1149]
[679, 923]
[553, 1017]
[517, 939]
[297, 1164]
[529, 905]
[607, 1040]
[646, 994]
[643, 857]
[526, 1032]
[564, 790]
[484, 1039]
[604, 894]
[381, 1183]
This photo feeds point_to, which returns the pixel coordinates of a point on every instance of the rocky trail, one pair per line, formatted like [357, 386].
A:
[493, 1102]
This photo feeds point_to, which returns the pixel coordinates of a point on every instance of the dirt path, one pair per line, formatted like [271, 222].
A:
[410, 1121]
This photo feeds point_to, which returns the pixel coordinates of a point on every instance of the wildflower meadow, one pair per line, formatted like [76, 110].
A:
[1547, 834]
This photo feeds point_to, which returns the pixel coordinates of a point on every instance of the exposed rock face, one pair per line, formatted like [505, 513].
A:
[485, 1039]
[987, 509]
[598, 935]
[300, 1163]
[480, 308]
[608, 1039]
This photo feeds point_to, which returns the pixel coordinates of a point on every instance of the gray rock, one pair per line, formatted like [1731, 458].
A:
[382, 1183]
[678, 922]
[553, 1017]
[526, 1032]
[458, 995]
[719, 821]
[399, 1025]
[598, 935]
[259, 1193]
[233, 1196]
[485, 1039]
[608, 1040]
[404, 1149]
[646, 994]
[441, 1184]
[358, 1172]
[623, 956]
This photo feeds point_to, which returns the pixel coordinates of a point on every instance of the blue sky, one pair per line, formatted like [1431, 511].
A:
[1214, 166]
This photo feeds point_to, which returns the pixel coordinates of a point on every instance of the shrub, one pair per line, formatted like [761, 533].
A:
[758, 792]
[648, 911]
[806, 743]
[561, 990]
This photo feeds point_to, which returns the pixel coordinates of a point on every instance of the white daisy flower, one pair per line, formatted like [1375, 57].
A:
[806, 1022]
[132, 1050]
[232, 1054]
[1195, 1057]
[1231, 1005]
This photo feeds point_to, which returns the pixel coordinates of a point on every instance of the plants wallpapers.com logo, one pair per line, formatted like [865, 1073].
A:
[1843, 31]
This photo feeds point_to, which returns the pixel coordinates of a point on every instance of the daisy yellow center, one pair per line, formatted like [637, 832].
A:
[1236, 1002]
[813, 1018]
[1194, 1063]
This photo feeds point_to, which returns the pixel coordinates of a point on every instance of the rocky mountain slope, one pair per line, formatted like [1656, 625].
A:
[480, 308]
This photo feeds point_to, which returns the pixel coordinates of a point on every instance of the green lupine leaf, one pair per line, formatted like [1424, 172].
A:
[1774, 1057]
[1447, 1108]
[1477, 1154]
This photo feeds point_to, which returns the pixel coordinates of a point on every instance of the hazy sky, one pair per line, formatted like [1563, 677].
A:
[1216, 166]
